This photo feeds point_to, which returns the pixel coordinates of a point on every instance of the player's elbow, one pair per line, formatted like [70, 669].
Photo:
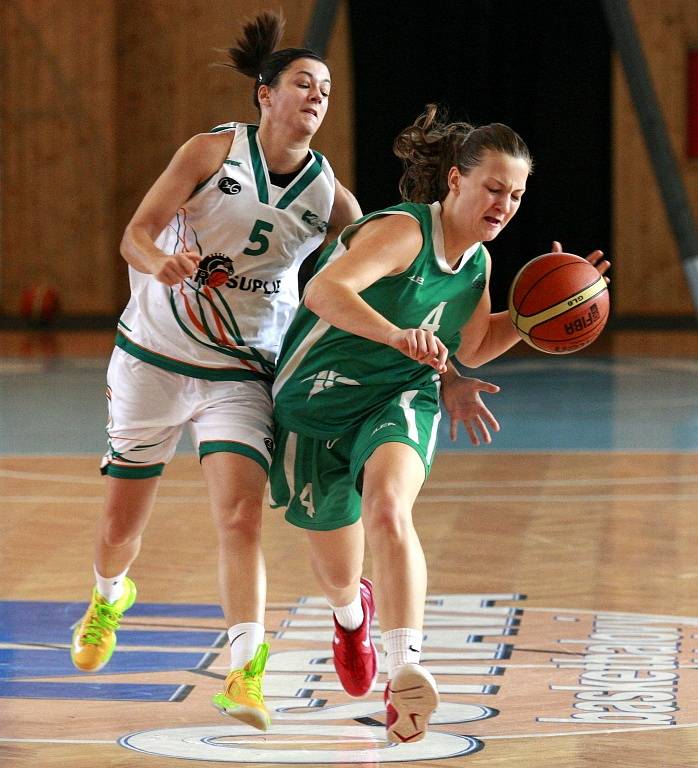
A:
[470, 360]
[312, 297]
[470, 356]
[134, 235]
[126, 243]
[325, 297]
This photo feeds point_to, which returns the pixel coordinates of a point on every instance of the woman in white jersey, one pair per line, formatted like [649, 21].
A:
[357, 398]
[213, 253]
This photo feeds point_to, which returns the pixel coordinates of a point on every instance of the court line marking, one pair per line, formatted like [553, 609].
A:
[55, 500]
[541, 498]
[544, 482]
[547, 499]
[572, 482]
[58, 741]
[692, 620]
[483, 737]
[631, 365]
[15, 474]
[636, 729]
[221, 670]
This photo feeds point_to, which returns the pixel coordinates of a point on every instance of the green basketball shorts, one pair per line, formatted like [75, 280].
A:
[319, 481]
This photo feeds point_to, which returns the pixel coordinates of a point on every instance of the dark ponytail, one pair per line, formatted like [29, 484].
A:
[431, 146]
[254, 53]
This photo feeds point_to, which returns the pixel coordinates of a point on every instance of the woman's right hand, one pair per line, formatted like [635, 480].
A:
[420, 345]
[175, 267]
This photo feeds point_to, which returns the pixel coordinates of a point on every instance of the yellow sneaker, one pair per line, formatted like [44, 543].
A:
[94, 638]
[242, 695]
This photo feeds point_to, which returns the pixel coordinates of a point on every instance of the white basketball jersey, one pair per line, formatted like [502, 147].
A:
[226, 322]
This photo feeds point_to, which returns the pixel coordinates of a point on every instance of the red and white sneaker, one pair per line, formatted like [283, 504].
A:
[355, 655]
[410, 698]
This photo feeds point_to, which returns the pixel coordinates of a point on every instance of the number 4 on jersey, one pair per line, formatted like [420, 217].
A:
[306, 499]
[432, 321]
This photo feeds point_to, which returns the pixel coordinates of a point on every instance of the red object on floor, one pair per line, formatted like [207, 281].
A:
[692, 104]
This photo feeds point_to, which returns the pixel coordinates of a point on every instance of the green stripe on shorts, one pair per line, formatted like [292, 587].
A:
[232, 446]
[133, 473]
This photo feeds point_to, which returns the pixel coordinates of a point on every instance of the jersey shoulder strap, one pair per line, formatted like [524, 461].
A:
[418, 211]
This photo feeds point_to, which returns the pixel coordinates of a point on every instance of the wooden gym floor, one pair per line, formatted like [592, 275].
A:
[562, 619]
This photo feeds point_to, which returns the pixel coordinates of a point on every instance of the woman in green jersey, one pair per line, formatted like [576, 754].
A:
[358, 384]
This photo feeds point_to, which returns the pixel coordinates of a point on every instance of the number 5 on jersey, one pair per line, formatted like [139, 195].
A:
[258, 238]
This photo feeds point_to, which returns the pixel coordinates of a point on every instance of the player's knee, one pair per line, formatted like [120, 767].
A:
[385, 515]
[115, 534]
[240, 517]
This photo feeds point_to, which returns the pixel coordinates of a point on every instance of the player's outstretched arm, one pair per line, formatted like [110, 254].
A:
[381, 247]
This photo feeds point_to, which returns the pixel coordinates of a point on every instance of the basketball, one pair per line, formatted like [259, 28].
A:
[559, 303]
[39, 305]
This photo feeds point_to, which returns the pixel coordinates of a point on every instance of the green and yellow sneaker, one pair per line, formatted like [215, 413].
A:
[94, 638]
[242, 695]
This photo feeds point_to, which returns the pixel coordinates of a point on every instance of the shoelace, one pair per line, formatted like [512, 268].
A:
[253, 672]
[259, 660]
[104, 617]
[253, 684]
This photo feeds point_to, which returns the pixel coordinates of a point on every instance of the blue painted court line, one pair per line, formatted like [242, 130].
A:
[91, 691]
[177, 610]
[28, 623]
[547, 403]
[57, 408]
[589, 404]
[23, 621]
[48, 662]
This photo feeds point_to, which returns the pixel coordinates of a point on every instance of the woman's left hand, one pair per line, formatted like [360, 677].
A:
[461, 396]
[595, 257]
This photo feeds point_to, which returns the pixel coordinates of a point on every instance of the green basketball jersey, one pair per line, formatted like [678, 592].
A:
[328, 379]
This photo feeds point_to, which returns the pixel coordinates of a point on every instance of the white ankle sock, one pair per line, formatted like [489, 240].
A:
[110, 587]
[401, 646]
[244, 641]
[350, 616]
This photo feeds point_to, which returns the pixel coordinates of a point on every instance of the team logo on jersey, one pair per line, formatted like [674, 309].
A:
[326, 379]
[416, 279]
[315, 221]
[214, 270]
[383, 426]
[228, 185]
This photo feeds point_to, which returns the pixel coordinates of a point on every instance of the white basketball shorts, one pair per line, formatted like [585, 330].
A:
[149, 407]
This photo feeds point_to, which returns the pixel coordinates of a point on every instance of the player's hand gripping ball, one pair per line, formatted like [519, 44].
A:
[559, 303]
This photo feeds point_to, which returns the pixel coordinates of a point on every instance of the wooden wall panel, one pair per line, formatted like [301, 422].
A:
[58, 154]
[96, 97]
[648, 275]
